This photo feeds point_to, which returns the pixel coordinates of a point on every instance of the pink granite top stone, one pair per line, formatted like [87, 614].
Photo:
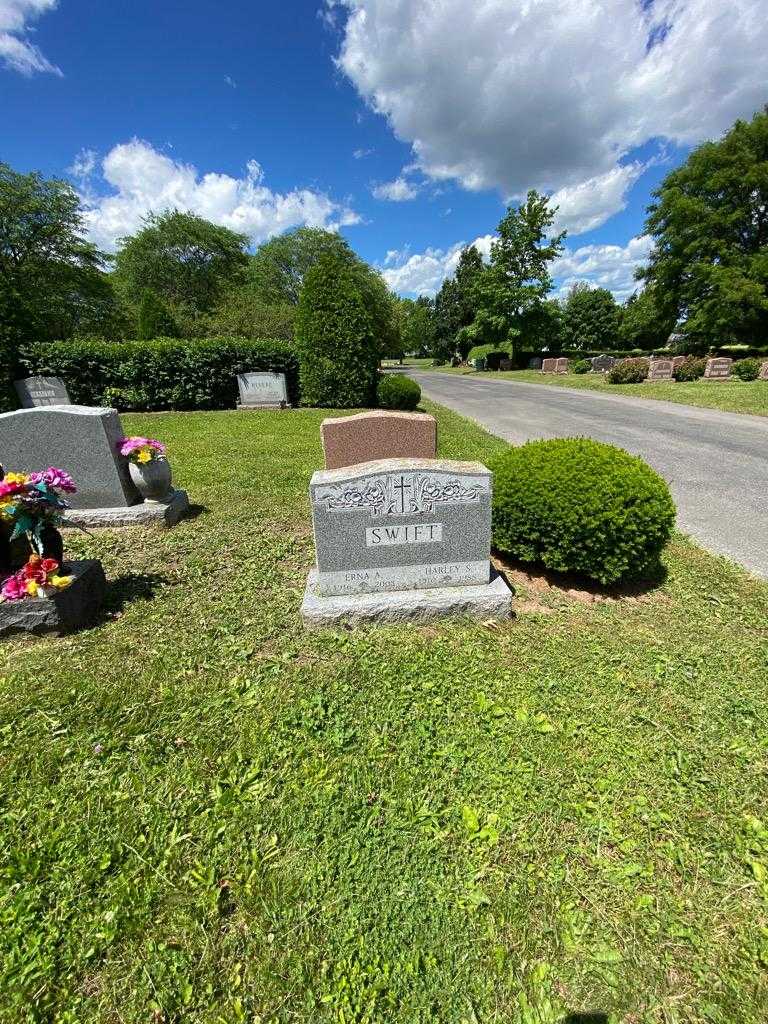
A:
[350, 440]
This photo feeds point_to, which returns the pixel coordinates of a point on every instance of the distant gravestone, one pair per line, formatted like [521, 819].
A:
[660, 369]
[763, 375]
[262, 391]
[350, 440]
[78, 439]
[505, 364]
[401, 539]
[718, 369]
[548, 366]
[678, 361]
[35, 392]
[561, 365]
[535, 363]
[602, 364]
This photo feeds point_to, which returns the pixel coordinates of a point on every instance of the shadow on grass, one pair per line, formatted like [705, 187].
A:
[130, 587]
[196, 510]
[577, 585]
[592, 1017]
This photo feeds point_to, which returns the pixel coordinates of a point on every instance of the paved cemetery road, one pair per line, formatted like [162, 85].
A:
[715, 462]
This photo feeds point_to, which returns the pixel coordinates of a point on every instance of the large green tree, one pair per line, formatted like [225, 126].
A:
[455, 304]
[335, 337]
[709, 222]
[591, 318]
[277, 269]
[186, 260]
[52, 280]
[644, 324]
[510, 292]
[417, 325]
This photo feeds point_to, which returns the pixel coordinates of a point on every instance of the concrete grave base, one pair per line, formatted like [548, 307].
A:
[490, 601]
[256, 408]
[145, 513]
[69, 609]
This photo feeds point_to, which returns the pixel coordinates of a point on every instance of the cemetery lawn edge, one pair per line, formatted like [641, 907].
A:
[211, 815]
[733, 395]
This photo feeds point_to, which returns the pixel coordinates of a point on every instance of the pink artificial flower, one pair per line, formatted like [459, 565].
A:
[14, 588]
[132, 444]
[57, 478]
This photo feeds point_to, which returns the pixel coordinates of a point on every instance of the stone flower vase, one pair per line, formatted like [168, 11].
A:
[152, 479]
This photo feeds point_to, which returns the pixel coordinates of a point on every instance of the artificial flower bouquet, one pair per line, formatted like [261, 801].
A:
[32, 502]
[141, 449]
[38, 578]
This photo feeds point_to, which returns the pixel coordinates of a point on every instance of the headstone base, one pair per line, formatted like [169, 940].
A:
[256, 408]
[72, 608]
[145, 513]
[490, 601]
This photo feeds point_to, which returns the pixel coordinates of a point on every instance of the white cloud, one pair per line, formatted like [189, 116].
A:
[84, 164]
[423, 273]
[360, 154]
[603, 266]
[398, 191]
[16, 49]
[142, 180]
[512, 94]
[230, 81]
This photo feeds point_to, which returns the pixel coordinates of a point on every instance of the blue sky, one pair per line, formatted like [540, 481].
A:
[406, 124]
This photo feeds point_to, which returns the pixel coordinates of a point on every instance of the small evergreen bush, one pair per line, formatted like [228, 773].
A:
[692, 368]
[168, 373]
[396, 391]
[335, 341]
[746, 369]
[629, 371]
[581, 506]
[581, 366]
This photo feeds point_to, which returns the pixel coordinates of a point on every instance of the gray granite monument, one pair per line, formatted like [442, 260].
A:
[262, 391]
[534, 363]
[403, 540]
[603, 363]
[82, 440]
[39, 391]
[69, 609]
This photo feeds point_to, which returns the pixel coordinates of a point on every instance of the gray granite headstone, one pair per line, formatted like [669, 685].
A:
[535, 363]
[401, 524]
[718, 368]
[660, 369]
[602, 364]
[76, 438]
[262, 390]
[39, 391]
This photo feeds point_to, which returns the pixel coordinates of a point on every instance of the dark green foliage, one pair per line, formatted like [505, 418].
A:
[186, 260]
[164, 374]
[591, 318]
[154, 318]
[709, 263]
[277, 269]
[643, 323]
[629, 371]
[692, 368]
[578, 505]
[335, 340]
[243, 314]
[455, 305]
[581, 366]
[746, 369]
[396, 391]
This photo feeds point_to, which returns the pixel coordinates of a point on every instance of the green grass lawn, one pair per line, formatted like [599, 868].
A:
[209, 815]
[730, 396]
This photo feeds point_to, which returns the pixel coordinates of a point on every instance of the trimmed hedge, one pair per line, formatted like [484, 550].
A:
[581, 506]
[396, 391]
[169, 373]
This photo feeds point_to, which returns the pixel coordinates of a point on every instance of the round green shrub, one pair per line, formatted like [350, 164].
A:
[396, 391]
[581, 366]
[691, 368]
[578, 505]
[747, 369]
[629, 371]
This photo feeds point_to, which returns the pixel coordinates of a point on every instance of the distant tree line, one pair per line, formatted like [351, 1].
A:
[182, 276]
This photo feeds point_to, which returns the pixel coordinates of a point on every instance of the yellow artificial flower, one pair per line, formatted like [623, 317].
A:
[6, 504]
[60, 582]
[32, 588]
[16, 478]
[145, 455]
